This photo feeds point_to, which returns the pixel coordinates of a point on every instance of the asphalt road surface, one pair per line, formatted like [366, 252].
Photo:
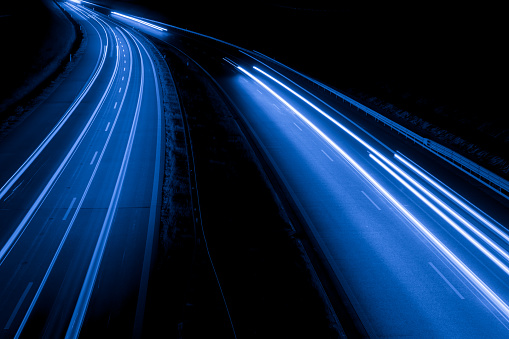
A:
[80, 192]
[418, 247]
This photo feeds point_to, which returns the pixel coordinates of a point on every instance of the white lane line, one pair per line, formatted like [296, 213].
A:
[327, 155]
[122, 78]
[93, 158]
[70, 207]
[107, 126]
[98, 68]
[139, 316]
[4, 251]
[115, 106]
[18, 305]
[447, 281]
[93, 269]
[125, 61]
[71, 223]
[124, 69]
[120, 90]
[371, 200]
[297, 126]
[14, 190]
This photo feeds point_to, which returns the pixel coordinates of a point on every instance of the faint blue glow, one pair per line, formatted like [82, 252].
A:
[162, 29]
[76, 1]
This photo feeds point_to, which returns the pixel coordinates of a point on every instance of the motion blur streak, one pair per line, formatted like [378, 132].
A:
[140, 21]
[493, 245]
[449, 221]
[19, 230]
[453, 197]
[477, 283]
[87, 288]
[471, 227]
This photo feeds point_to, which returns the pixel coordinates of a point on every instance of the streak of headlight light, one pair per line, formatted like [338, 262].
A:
[478, 283]
[471, 227]
[76, 1]
[369, 147]
[374, 151]
[140, 21]
[445, 217]
[454, 198]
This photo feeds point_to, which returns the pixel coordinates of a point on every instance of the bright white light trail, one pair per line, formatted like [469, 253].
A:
[451, 196]
[476, 282]
[472, 228]
[162, 29]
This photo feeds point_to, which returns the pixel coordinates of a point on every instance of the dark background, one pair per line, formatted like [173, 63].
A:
[444, 62]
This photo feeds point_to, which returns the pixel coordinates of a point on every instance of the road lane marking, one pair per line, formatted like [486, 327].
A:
[297, 126]
[371, 200]
[120, 90]
[122, 78]
[14, 190]
[18, 305]
[115, 106]
[107, 126]
[70, 207]
[327, 155]
[64, 238]
[447, 281]
[495, 300]
[5, 250]
[147, 257]
[99, 66]
[87, 288]
[93, 158]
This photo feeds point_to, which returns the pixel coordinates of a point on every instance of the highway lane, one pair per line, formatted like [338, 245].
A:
[88, 197]
[411, 262]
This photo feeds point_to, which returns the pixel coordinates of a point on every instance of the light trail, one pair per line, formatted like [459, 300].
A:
[428, 203]
[75, 214]
[472, 228]
[80, 310]
[159, 28]
[465, 271]
[453, 197]
[7, 247]
[19, 172]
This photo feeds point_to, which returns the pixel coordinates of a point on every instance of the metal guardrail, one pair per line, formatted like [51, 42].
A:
[481, 174]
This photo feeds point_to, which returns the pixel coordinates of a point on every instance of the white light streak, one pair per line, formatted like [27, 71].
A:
[159, 28]
[476, 282]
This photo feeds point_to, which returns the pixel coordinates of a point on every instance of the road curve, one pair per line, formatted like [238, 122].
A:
[418, 249]
[80, 200]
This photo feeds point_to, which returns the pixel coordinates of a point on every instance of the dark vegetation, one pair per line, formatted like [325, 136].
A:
[260, 266]
[36, 40]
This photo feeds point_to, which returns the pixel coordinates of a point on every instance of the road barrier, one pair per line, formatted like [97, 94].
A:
[479, 173]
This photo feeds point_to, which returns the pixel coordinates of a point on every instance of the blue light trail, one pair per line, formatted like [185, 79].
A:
[162, 29]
